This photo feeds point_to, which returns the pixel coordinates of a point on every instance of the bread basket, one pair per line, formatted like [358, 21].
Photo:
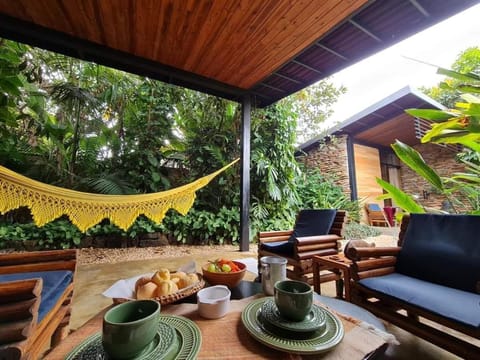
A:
[171, 298]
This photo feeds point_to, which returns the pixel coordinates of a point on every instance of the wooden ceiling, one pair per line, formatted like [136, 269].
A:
[265, 48]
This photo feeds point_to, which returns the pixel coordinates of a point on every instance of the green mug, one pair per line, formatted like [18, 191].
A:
[293, 298]
[128, 328]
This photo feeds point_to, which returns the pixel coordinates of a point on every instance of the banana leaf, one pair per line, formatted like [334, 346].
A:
[470, 77]
[415, 161]
[405, 201]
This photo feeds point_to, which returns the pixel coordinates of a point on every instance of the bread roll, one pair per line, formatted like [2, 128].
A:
[161, 275]
[141, 281]
[147, 291]
[166, 287]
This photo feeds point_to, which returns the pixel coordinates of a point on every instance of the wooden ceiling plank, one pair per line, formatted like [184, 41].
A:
[307, 32]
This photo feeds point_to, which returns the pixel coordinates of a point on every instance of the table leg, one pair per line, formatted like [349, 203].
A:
[316, 277]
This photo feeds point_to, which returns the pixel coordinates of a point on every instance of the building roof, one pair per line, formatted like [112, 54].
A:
[230, 48]
[382, 123]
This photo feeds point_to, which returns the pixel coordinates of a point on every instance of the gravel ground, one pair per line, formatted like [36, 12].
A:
[111, 256]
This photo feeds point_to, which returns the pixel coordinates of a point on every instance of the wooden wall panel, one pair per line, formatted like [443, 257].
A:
[367, 167]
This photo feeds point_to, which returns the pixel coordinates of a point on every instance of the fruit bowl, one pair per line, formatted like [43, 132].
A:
[229, 279]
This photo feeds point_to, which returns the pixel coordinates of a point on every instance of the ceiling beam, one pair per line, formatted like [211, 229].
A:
[307, 67]
[272, 87]
[331, 51]
[287, 78]
[365, 30]
[420, 8]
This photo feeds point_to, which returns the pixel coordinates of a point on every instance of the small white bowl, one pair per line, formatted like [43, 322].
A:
[213, 302]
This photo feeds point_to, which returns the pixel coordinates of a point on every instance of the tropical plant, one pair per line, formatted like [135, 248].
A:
[319, 191]
[452, 126]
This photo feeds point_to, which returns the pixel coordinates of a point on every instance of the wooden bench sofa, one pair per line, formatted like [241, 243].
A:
[300, 244]
[430, 284]
[36, 290]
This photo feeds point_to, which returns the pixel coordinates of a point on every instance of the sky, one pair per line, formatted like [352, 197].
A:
[380, 75]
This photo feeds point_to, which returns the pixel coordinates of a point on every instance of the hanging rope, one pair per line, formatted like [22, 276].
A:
[48, 202]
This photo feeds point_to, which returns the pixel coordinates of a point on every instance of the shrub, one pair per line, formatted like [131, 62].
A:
[354, 230]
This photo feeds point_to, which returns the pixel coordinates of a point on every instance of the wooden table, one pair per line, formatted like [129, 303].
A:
[235, 341]
[339, 262]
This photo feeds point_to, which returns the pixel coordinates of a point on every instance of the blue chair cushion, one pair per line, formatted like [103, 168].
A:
[457, 305]
[443, 249]
[54, 284]
[374, 207]
[313, 222]
[279, 247]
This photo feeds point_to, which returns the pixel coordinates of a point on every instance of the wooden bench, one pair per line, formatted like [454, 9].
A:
[36, 290]
[430, 284]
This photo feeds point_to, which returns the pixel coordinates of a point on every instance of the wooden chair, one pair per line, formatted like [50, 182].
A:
[375, 215]
[299, 250]
[36, 290]
[429, 285]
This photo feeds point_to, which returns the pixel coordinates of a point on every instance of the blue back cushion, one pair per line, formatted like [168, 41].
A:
[54, 284]
[443, 249]
[313, 222]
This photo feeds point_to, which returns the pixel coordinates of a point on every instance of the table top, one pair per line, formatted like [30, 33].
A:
[235, 340]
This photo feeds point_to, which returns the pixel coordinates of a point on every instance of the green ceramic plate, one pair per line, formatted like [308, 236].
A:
[314, 321]
[178, 338]
[316, 342]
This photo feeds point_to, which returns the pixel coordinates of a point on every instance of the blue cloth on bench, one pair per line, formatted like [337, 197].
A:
[54, 284]
[457, 305]
[309, 222]
[443, 249]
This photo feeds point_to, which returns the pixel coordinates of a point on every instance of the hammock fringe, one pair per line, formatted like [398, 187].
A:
[47, 202]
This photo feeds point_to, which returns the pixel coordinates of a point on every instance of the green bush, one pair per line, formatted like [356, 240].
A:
[58, 234]
[204, 227]
[319, 191]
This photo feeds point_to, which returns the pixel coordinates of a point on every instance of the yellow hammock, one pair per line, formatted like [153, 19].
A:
[48, 202]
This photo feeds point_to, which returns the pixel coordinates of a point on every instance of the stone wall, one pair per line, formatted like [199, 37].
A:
[442, 160]
[331, 158]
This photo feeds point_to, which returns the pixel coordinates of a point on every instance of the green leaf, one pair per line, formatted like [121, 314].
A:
[415, 161]
[431, 114]
[459, 76]
[405, 201]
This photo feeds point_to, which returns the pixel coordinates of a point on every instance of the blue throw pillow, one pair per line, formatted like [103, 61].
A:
[313, 222]
[443, 249]
[54, 284]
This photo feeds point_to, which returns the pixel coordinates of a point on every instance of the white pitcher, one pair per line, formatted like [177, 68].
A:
[272, 269]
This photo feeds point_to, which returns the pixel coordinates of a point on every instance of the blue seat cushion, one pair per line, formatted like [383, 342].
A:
[54, 284]
[443, 249]
[279, 247]
[374, 207]
[313, 222]
[457, 305]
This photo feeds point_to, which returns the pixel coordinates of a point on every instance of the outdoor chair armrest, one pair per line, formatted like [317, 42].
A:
[38, 261]
[370, 261]
[357, 253]
[317, 239]
[272, 236]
